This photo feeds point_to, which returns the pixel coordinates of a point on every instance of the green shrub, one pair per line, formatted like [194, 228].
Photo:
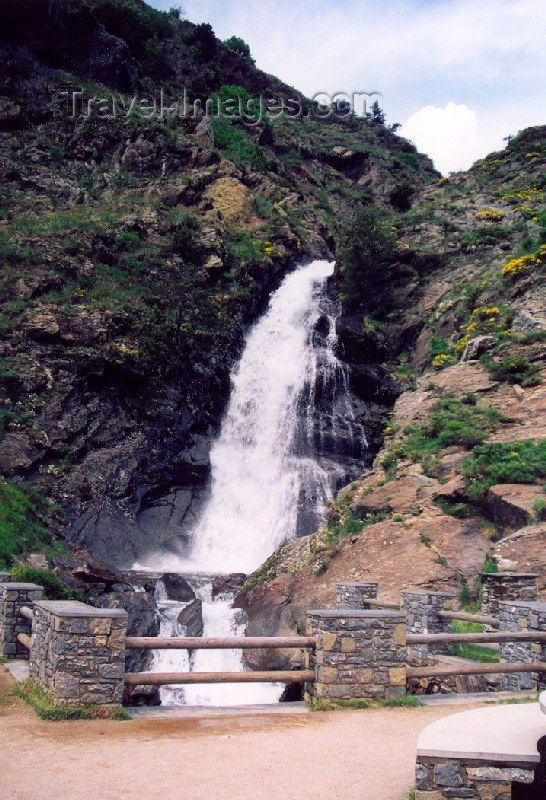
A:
[54, 587]
[407, 701]
[486, 236]
[364, 248]
[514, 369]
[235, 144]
[490, 566]
[22, 528]
[240, 47]
[539, 507]
[451, 422]
[127, 241]
[42, 702]
[514, 462]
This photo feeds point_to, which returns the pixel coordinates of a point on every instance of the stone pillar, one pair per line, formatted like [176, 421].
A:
[4, 577]
[12, 597]
[506, 586]
[520, 615]
[353, 594]
[78, 652]
[421, 607]
[359, 654]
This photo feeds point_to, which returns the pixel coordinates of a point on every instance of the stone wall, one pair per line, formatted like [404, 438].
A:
[520, 615]
[359, 654]
[353, 594]
[78, 652]
[12, 597]
[436, 779]
[4, 577]
[505, 586]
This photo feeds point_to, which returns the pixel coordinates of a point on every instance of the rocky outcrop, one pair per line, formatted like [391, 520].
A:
[512, 504]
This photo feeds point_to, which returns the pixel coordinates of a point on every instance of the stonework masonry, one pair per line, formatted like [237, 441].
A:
[520, 615]
[421, 607]
[353, 594]
[440, 779]
[359, 654]
[12, 597]
[4, 577]
[505, 586]
[78, 652]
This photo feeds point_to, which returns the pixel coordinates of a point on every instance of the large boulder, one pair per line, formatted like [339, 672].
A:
[191, 618]
[177, 587]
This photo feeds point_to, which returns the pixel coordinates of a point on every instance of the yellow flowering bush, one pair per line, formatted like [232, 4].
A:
[526, 195]
[270, 250]
[516, 266]
[484, 319]
[490, 214]
[441, 361]
[124, 350]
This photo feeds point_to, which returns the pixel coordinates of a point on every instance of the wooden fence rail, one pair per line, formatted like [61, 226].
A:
[211, 643]
[24, 639]
[475, 669]
[170, 678]
[458, 638]
[464, 616]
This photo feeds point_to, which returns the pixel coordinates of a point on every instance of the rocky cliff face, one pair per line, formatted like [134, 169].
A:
[135, 254]
[459, 480]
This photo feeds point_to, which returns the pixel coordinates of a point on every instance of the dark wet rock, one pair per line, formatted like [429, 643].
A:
[228, 584]
[191, 618]
[177, 587]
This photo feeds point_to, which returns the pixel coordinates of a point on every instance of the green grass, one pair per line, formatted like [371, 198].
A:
[514, 462]
[472, 652]
[22, 529]
[42, 702]
[512, 701]
[451, 422]
[54, 587]
[514, 369]
[407, 701]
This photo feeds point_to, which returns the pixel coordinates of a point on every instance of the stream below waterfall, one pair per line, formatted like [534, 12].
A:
[288, 440]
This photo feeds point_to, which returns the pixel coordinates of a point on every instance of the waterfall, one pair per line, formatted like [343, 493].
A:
[286, 442]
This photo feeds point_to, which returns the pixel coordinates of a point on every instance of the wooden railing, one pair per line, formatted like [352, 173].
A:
[457, 638]
[480, 619]
[210, 643]
[475, 669]
[224, 643]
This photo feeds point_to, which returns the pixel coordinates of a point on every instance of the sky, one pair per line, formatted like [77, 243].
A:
[459, 75]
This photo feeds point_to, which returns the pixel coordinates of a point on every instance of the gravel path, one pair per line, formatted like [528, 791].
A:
[350, 755]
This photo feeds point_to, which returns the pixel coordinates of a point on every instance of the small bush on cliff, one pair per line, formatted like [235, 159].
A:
[54, 587]
[240, 47]
[364, 249]
[514, 462]
[22, 529]
[514, 369]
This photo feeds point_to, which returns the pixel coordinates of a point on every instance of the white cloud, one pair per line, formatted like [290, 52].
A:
[449, 135]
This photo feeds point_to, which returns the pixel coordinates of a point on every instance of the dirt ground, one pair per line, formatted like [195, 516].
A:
[345, 755]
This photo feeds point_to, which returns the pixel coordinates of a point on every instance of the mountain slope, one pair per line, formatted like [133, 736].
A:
[135, 253]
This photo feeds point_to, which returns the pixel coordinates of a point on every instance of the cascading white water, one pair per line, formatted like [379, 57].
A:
[266, 469]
